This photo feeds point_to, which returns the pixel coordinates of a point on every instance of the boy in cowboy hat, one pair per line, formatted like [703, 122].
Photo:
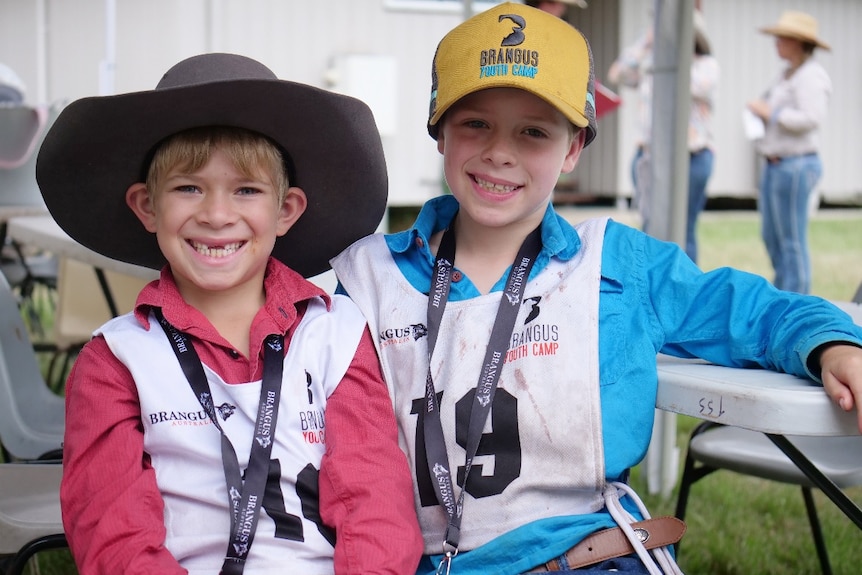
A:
[520, 352]
[237, 417]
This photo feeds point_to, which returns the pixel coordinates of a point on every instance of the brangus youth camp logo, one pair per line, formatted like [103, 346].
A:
[394, 335]
[508, 59]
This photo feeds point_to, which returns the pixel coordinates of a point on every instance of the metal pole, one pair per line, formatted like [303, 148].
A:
[671, 101]
[468, 9]
[673, 48]
[106, 70]
[41, 52]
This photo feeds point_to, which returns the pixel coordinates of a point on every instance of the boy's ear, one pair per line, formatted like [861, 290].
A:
[139, 200]
[575, 149]
[292, 208]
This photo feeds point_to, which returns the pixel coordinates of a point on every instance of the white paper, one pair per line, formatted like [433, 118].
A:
[752, 125]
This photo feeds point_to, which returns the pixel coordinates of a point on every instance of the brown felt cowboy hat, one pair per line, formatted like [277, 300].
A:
[799, 26]
[100, 146]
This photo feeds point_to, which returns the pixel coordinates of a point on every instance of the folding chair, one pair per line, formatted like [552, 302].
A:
[32, 417]
[713, 447]
[32, 421]
[22, 130]
[22, 133]
[30, 519]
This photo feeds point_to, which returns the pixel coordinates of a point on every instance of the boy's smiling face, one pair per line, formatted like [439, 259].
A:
[503, 151]
[216, 226]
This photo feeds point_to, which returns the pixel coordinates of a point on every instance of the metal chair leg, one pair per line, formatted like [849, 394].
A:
[690, 475]
[816, 531]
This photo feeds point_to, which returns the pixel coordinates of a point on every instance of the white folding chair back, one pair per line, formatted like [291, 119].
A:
[32, 417]
[22, 130]
[29, 503]
[30, 517]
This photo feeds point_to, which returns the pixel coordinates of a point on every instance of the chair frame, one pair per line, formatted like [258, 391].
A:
[15, 564]
[695, 469]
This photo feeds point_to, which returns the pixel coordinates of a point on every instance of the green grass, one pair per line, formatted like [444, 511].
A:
[739, 525]
[835, 242]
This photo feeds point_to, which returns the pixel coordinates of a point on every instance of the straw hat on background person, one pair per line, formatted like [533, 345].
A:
[799, 26]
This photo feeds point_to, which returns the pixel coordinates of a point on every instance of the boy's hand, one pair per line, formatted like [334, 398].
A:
[841, 373]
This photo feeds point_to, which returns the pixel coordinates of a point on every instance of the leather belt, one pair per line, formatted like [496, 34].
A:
[610, 543]
[778, 159]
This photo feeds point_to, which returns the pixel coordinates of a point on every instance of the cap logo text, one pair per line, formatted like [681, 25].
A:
[508, 60]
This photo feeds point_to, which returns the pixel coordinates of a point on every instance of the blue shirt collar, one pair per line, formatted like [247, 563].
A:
[559, 238]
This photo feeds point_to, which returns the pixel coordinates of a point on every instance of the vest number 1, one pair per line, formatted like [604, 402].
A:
[287, 525]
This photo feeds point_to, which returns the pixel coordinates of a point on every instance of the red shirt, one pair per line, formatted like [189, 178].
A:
[112, 508]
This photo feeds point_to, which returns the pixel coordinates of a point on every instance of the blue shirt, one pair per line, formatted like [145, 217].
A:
[653, 299]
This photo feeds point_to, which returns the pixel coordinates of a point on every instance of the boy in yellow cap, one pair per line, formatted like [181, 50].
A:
[522, 364]
[237, 420]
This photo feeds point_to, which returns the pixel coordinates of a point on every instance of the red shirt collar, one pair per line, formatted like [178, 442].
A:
[286, 293]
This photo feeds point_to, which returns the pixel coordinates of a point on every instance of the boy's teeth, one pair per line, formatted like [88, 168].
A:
[217, 252]
[494, 187]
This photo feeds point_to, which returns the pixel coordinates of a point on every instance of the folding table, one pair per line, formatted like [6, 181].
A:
[776, 404]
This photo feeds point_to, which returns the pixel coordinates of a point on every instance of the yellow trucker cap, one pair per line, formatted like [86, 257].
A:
[516, 46]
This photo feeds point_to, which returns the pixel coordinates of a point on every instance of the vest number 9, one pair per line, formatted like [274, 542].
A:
[502, 444]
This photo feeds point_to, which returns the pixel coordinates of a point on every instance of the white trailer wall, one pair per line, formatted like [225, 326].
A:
[58, 46]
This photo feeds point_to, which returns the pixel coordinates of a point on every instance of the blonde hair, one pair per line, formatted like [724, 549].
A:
[252, 154]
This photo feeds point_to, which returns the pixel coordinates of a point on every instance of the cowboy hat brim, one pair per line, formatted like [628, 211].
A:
[796, 35]
[99, 146]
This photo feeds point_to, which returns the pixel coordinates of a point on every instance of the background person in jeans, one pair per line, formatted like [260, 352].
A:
[792, 110]
[634, 69]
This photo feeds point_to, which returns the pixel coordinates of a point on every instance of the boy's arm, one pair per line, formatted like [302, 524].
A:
[738, 319]
[725, 316]
[112, 509]
[366, 489]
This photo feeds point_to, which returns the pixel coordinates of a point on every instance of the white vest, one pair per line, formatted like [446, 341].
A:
[542, 453]
[184, 445]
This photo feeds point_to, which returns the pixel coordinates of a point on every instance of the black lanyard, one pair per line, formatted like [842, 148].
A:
[244, 496]
[507, 313]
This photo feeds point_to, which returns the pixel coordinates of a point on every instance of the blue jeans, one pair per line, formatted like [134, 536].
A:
[785, 187]
[699, 171]
[628, 564]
